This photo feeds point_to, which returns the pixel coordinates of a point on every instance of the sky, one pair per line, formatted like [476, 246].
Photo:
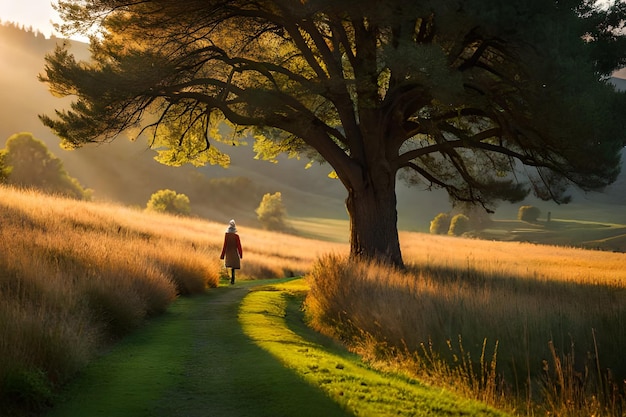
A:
[35, 13]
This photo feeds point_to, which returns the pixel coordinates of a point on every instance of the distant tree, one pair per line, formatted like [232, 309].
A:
[440, 224]
[528, 214]
[455, 94]
[271, 212]
[459, 224]
[168, 201]
[4, 170]
[29, 163]
[478, 217]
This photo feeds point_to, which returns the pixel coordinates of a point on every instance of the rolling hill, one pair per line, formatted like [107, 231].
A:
[125, 172]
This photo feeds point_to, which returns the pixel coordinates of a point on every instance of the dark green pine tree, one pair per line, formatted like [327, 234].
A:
[487, 99]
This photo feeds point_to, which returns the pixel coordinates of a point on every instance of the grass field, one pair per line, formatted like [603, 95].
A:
[331, 230]
[77, 276]
[539, 325]
[244, 350]
[563, 232]
[270, 316]
[194, 360]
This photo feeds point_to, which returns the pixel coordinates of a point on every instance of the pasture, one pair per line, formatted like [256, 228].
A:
[525, 327]
[538, 328]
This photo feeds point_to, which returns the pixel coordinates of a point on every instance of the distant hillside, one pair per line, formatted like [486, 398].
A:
[125, 171]
[619, 83]
[121, 171]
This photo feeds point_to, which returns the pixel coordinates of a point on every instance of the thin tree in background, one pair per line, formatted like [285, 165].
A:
[272, 212]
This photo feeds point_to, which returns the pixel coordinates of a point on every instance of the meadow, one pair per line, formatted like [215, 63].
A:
[77, 276]
[530, 328]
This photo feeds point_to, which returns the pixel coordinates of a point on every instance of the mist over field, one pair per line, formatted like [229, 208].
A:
[125, 172]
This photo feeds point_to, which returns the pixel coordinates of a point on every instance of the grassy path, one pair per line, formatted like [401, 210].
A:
[244, 351]
[193, 361]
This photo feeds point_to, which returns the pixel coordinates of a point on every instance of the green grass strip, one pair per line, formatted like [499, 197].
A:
[126, 381]
[270, 316]
[244, 351]
[193, 361]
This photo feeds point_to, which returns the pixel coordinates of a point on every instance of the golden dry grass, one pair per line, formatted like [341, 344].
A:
[74, 275]
[542, 306]
[516, 259]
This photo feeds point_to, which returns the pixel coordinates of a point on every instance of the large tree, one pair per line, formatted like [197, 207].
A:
[487, 99]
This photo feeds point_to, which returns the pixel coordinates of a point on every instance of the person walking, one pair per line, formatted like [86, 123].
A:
[231, 251]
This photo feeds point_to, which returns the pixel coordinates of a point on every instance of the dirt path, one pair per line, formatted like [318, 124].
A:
[194, 361]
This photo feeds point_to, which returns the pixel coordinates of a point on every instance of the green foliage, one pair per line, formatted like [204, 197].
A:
[440, 224]
[459, 224]
[528, 213]
[271, 212]
[27, 162]
[457, 97]
[168, 201]
[196, 151]
[4, 169]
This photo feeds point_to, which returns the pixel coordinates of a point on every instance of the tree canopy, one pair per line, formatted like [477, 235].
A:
[487, 99]
[169, 201]
[272, 212]
[27, 162]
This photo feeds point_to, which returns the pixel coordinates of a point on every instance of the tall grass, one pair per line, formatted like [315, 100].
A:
[550, 319]
[536, 328]
[76, 275]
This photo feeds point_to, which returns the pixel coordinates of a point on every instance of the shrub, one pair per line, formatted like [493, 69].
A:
[459, 224]
[528, 213]
[168, 201]
[440, 224]
[271, 212]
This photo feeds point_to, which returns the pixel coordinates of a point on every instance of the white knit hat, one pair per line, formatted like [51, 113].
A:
[232, 228]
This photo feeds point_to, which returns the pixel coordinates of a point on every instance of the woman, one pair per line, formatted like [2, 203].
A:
[231, 251]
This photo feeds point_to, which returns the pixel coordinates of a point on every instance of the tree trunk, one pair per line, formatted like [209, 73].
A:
[374, 223]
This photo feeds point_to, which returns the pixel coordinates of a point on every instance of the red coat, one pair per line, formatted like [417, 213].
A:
[231, 251]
